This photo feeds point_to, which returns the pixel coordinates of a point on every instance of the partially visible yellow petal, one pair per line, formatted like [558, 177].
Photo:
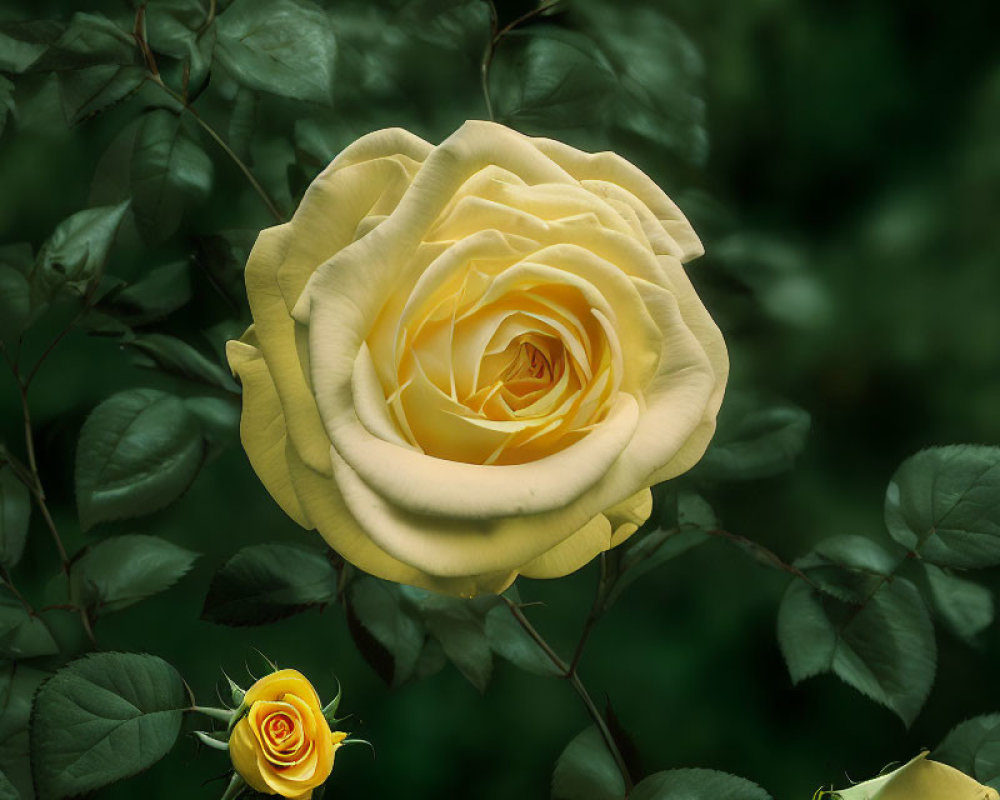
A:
[322, 499]
[277, 684]
[573, 552]
[627, 516]
[920, 779]
[245, 753]
[262, 427]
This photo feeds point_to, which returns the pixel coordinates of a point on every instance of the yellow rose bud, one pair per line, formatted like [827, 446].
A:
[920, 779]
[471, 361]
[282, 744]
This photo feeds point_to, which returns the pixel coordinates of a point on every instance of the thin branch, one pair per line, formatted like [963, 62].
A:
[264, 196]
[496, 36]
[9, 583]
[37, 489]
[52, 345]
[522, 620]
[581, 690]
[592, 616]
[762, 554]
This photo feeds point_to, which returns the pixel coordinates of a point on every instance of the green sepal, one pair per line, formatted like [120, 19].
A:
[241, 711]
[236, 691]
[211, 739]
[358, 741]
[222, 714]
[235, 787]
[330, 709]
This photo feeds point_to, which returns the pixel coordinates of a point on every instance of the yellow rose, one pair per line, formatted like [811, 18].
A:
[473, 360]
[283, 744]
[920, 779]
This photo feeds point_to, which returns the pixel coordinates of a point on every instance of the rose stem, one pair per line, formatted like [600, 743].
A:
[571, 675]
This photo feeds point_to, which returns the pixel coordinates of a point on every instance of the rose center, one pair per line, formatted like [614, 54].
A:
[279, 727]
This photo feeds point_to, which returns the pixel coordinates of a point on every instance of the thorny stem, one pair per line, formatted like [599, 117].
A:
[569, 673]
[496, 36]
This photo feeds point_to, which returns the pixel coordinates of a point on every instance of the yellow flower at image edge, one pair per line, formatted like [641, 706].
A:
[471, 361]
[919, 779]
[283, 744]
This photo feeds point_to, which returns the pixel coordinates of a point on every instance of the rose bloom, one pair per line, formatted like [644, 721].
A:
[472, 361]
[920, 779]
[283, 744]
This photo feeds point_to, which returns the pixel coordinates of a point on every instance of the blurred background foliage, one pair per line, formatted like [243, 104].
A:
[842, 163]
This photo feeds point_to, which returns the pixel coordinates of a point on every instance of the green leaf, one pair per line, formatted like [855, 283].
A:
[547, 79]
[160, 292]
[87, 92]
[658, 71]
[75, 253]
[89, 40]
[179, 358]
[647, 552]
[755, 439]
[395, 636]
[885, 648]
[683, 519]
[848, 567]
[18, 683]
[944, 503]
[286, 47]
[220, 421]
[22, 635]
[966, 607]
[169, 171]
[7, 789]
[119, 572]
[267, 582]
[139, 450]
[697, 784]
[102, 718]
[460, 629]
[15, 513]
[586, 770]
[22, 43]
[962, 746]
[509, 639]
[447, 24]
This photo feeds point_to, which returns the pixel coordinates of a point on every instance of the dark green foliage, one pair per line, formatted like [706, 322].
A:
[697, 784]
[286, 47]
[138, 451]
[945, 504]
[119, 572]
[15, 511]
[586, 771]
[103, 718]
[268, 582]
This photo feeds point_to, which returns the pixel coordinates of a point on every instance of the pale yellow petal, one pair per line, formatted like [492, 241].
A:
[681, 239]
[573, 552]
[262, 428]
[321, 497]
